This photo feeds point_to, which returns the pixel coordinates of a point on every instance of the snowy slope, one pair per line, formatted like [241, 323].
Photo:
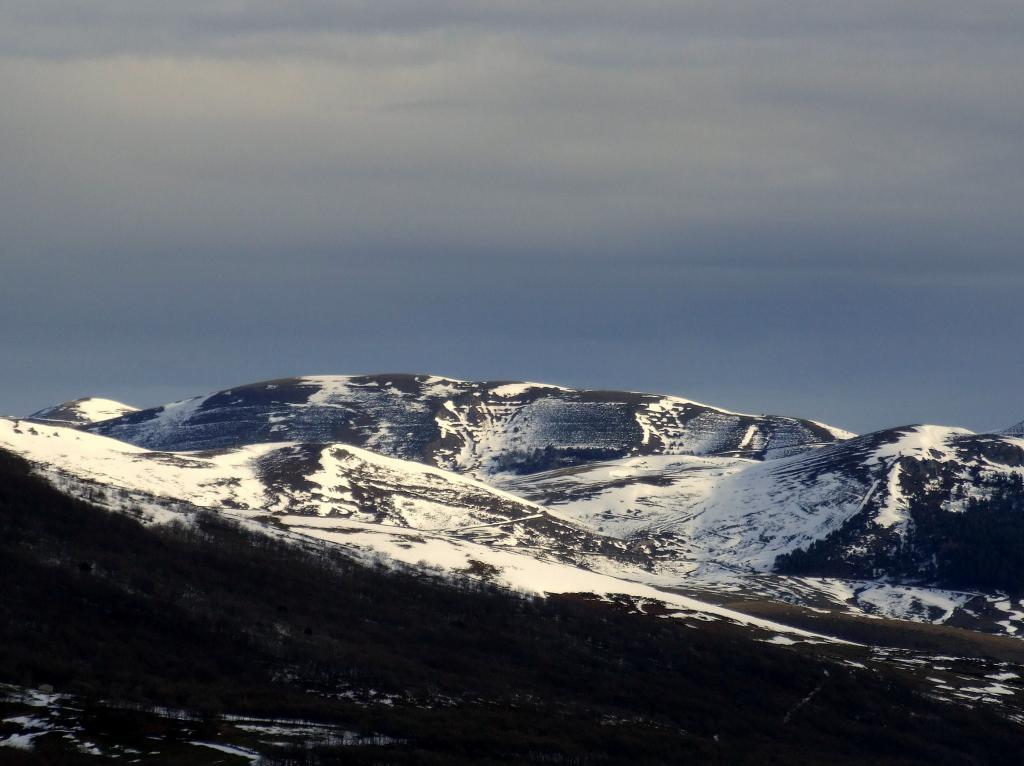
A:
[869, 481]
[469, 427]
[332, 482]
[81, 412]
[706, 524]
[629, 497]
[376, 508]
[742, 513]
[717, 524]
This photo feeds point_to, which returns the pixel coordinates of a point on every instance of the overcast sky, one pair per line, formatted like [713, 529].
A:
[806, 208]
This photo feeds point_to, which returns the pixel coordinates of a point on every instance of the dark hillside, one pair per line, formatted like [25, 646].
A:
[981, 546]
[214, 619]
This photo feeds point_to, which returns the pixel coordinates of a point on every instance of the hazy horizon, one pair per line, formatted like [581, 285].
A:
[175, 393]
[812, 212]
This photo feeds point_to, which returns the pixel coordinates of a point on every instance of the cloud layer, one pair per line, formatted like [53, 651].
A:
[429, 164]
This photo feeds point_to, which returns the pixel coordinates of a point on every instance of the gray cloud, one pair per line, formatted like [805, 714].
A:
[597, 193]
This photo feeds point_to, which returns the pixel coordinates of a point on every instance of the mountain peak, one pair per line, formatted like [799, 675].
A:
[475, 427]
[84, 411]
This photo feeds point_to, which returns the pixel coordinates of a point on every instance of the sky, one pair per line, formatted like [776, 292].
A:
[803, 208]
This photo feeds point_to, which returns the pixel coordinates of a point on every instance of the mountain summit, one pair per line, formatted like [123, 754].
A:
[482, 428]
[82, 412]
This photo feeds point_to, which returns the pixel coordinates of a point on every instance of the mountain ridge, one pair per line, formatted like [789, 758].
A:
[481, 428]
[304, 486]
[662, 490]
[83, 411]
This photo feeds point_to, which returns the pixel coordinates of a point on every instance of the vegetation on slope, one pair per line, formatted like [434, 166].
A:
[212, 618]
[981, 546]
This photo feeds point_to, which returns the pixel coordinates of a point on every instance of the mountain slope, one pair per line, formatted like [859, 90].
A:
[288, 483]
[374, 508]
[82, 412]
[742, 513]
[469, 427]
[204, 644]
[946, 506]
[631, 497]
[898, 516]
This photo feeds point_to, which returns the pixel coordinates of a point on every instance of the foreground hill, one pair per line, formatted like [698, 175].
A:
[323, 488]
[377, 509]
[469, 427]
[200, 643]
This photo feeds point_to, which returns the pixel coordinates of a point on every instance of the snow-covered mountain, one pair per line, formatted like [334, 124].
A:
[660, 490]
[871, 508]
[482, 428]
[744, 514]
[632, 497]
[295, 620]
[287, 484]
[373, 507]
[82, 412]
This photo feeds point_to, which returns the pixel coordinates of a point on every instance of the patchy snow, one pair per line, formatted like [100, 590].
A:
[907, 602]
[748, 437]
[94, 409]
[326, 480]
[841, 434]
[512, 390]
[894, 512]
[753, 515]
[1004, 676]
[986, 690]
[722, 511]
[514, 570]
[90, 409]
[229, 749]
[1014, 614]
[918, 440]
[624, 497]
[480, 428]
[21, 741]
[229, 481]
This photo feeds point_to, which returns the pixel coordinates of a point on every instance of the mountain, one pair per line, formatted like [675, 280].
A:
[204, 643]
[744, 514]
[481, 428]
[373, 507]
[631, 497]
[705, 524]
[944, 506]
[1015, 430]
[345, 567]
[82, 412]
[701, 495]
[658, 490]
[916, 522]
[322, 491]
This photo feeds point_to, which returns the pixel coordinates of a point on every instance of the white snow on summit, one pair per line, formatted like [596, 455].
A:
[480, 428]
[80, 412]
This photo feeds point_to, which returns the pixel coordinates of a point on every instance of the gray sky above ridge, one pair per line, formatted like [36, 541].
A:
[810, 211]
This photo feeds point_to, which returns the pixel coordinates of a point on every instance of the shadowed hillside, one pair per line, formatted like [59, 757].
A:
[213, 619]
